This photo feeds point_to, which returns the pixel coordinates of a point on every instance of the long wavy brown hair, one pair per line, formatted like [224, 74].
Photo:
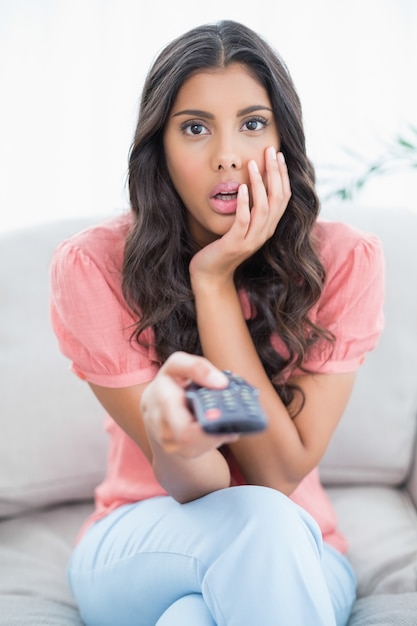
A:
[284, 279]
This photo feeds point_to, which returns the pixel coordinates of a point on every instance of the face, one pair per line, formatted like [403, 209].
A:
[220, 120]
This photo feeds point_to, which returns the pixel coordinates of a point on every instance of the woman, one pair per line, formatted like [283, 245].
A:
[220, 265]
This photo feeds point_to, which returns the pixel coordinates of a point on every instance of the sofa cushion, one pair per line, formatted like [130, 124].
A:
[380, 524]
[385, 610]
[25, 610]
[52, 445]
[375, 440]
[34, 551]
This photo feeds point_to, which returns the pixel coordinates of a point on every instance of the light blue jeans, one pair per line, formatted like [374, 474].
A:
[237, 557]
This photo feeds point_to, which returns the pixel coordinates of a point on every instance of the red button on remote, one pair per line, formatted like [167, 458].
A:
[212, 414]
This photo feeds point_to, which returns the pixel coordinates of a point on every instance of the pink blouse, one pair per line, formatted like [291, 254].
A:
[93, 325]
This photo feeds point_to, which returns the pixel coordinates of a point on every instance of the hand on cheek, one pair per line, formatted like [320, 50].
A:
[257, 216]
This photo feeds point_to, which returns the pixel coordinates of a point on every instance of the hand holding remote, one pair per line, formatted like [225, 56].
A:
[234, 409]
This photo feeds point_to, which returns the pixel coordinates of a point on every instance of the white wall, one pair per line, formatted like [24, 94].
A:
[71, 73]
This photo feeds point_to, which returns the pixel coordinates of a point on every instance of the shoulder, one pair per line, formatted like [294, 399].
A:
[88, 312]
[347, 252]
[101, 244]
[351, 303]
[86, 269]
[337, 239]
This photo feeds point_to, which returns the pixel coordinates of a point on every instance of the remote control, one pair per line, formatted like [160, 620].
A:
[234, 409]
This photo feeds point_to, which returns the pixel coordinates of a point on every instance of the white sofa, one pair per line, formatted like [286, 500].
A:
[53, 448]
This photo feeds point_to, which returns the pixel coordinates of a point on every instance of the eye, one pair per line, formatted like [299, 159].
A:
[194, 128]
[255, 123]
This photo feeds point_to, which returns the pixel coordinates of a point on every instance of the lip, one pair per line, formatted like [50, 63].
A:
[226, 187]
[227, 205]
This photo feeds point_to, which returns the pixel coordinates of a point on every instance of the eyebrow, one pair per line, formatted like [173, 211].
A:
[210, 116]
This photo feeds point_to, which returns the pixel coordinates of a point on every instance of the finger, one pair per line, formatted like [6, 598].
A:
[190, 440]
[259, 194]
[216, 441]
[194, 441]
[278, 184]
[274, 177]
[186, 367]
[285, 179]
[274, 182]
[243, 218]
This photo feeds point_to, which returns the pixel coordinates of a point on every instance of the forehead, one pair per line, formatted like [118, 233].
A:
[215, 88]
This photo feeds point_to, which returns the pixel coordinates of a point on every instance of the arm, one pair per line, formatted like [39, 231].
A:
[185, 460]
[289, 449]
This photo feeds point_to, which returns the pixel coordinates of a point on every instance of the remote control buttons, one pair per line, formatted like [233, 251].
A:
[234, 409]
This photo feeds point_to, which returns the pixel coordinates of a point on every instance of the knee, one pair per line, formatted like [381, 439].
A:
[270, 512]
[189, 609]
[253, 502]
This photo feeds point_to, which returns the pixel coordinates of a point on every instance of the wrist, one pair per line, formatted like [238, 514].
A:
[186, 479]
[212, 285]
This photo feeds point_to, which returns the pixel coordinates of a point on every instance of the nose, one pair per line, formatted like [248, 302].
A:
[226, 164]
[226, 156]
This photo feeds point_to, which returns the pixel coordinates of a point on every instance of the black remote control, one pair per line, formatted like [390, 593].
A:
[234, 409]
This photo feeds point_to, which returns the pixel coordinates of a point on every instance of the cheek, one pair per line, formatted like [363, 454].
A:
[185, 175]
[174, 160]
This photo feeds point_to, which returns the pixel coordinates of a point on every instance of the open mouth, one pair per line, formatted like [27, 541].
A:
[223, 197]
[226, 197]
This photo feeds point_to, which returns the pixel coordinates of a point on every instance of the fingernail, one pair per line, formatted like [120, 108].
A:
[253, 166]
[281, 157]
[272, 153]
[216, 378]
[243, 189]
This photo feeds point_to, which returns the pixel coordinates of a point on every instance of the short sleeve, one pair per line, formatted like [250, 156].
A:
[93, 323]
[351, 305]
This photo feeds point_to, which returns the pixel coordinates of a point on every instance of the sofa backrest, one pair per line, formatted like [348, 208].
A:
[375, 441]
[52, 446]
